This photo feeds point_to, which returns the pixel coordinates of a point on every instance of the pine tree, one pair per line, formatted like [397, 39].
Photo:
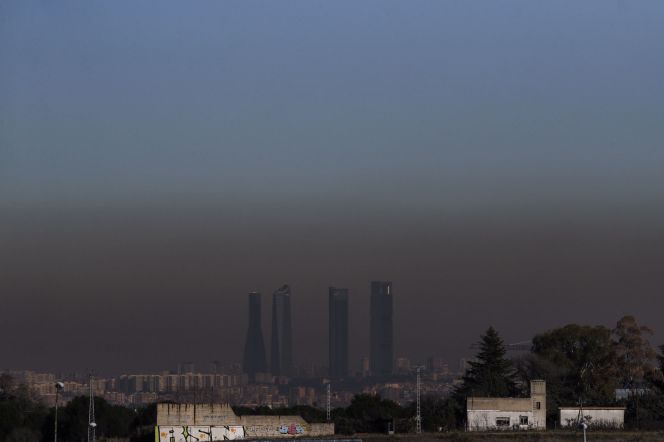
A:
[491, 374]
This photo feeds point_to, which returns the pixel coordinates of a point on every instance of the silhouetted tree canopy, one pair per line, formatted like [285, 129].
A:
[21, 415]
[491, 374]
[636, 358]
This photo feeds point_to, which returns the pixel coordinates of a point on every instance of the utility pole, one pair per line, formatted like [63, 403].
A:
[329, 408]
[92, 425]
[58, 386]
[418, 418]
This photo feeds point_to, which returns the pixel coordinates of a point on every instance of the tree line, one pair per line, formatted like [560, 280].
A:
[24, 417]
[581, 365]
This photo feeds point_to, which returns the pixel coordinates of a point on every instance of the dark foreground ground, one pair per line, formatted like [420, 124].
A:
[549, 436]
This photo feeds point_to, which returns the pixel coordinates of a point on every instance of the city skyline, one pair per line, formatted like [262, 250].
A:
[501, 163]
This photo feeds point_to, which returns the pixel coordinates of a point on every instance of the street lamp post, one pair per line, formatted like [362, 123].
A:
[584, 426]
[58, 386]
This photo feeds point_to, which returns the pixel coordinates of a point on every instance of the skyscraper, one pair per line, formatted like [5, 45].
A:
[281, 351]
[381, 338]
[254, 346]
[338, 325]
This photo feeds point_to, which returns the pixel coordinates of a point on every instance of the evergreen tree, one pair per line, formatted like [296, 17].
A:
[491, 374]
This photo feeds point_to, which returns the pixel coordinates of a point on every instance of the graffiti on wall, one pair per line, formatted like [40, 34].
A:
[227, 432]
[292, 429]
[184, 434]
[199, 434]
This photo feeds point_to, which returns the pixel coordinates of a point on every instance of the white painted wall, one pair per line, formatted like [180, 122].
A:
[230, 432]
[482, 420]
[604, 417]
[201, 433]
[183, 433]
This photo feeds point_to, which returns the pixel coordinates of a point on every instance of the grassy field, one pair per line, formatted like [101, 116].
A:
[549, 436]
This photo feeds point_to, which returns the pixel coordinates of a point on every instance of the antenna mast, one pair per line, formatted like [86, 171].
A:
[418, 418]
[329, 414]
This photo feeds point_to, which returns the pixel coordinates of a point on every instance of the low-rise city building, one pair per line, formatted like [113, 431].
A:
[491, 413]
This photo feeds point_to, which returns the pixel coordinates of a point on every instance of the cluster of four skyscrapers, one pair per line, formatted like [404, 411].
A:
[281, 343]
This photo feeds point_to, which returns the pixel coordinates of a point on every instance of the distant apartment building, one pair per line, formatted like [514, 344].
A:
[254, 347]
[381, 328]
[174, 383]
[402, 365]
[303, 395]
[436, 364]
[490, 413]
[365, 366]
[281, 349]
[391, 391]
[186, 367]
[338, 332]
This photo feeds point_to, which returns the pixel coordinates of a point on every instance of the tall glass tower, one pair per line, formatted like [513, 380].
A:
[281, 351]
[338, 334]
[254, 346]
[381, 328]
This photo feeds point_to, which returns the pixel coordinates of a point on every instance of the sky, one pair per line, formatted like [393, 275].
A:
[499, 162]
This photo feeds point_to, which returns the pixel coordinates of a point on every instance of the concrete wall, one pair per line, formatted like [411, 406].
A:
[482, 412]
[196, 414]
[482, 420]
[202, 433]
[606, 417]
[206, 422]
[538, 397]
[197, 433]
[500, 403]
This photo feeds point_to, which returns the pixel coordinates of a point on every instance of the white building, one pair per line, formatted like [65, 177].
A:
[603, 417]
[486, 413]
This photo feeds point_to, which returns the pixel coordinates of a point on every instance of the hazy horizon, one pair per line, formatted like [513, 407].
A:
[501, 164]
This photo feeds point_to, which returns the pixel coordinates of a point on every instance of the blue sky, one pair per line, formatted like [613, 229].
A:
[436, 103]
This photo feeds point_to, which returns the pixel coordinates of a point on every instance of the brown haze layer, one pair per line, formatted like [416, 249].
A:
[137, 288]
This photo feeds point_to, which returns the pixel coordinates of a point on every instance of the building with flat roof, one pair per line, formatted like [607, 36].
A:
[254, 346]
[492, 413]
[381, 328]
[338, 332]
[281, 349]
